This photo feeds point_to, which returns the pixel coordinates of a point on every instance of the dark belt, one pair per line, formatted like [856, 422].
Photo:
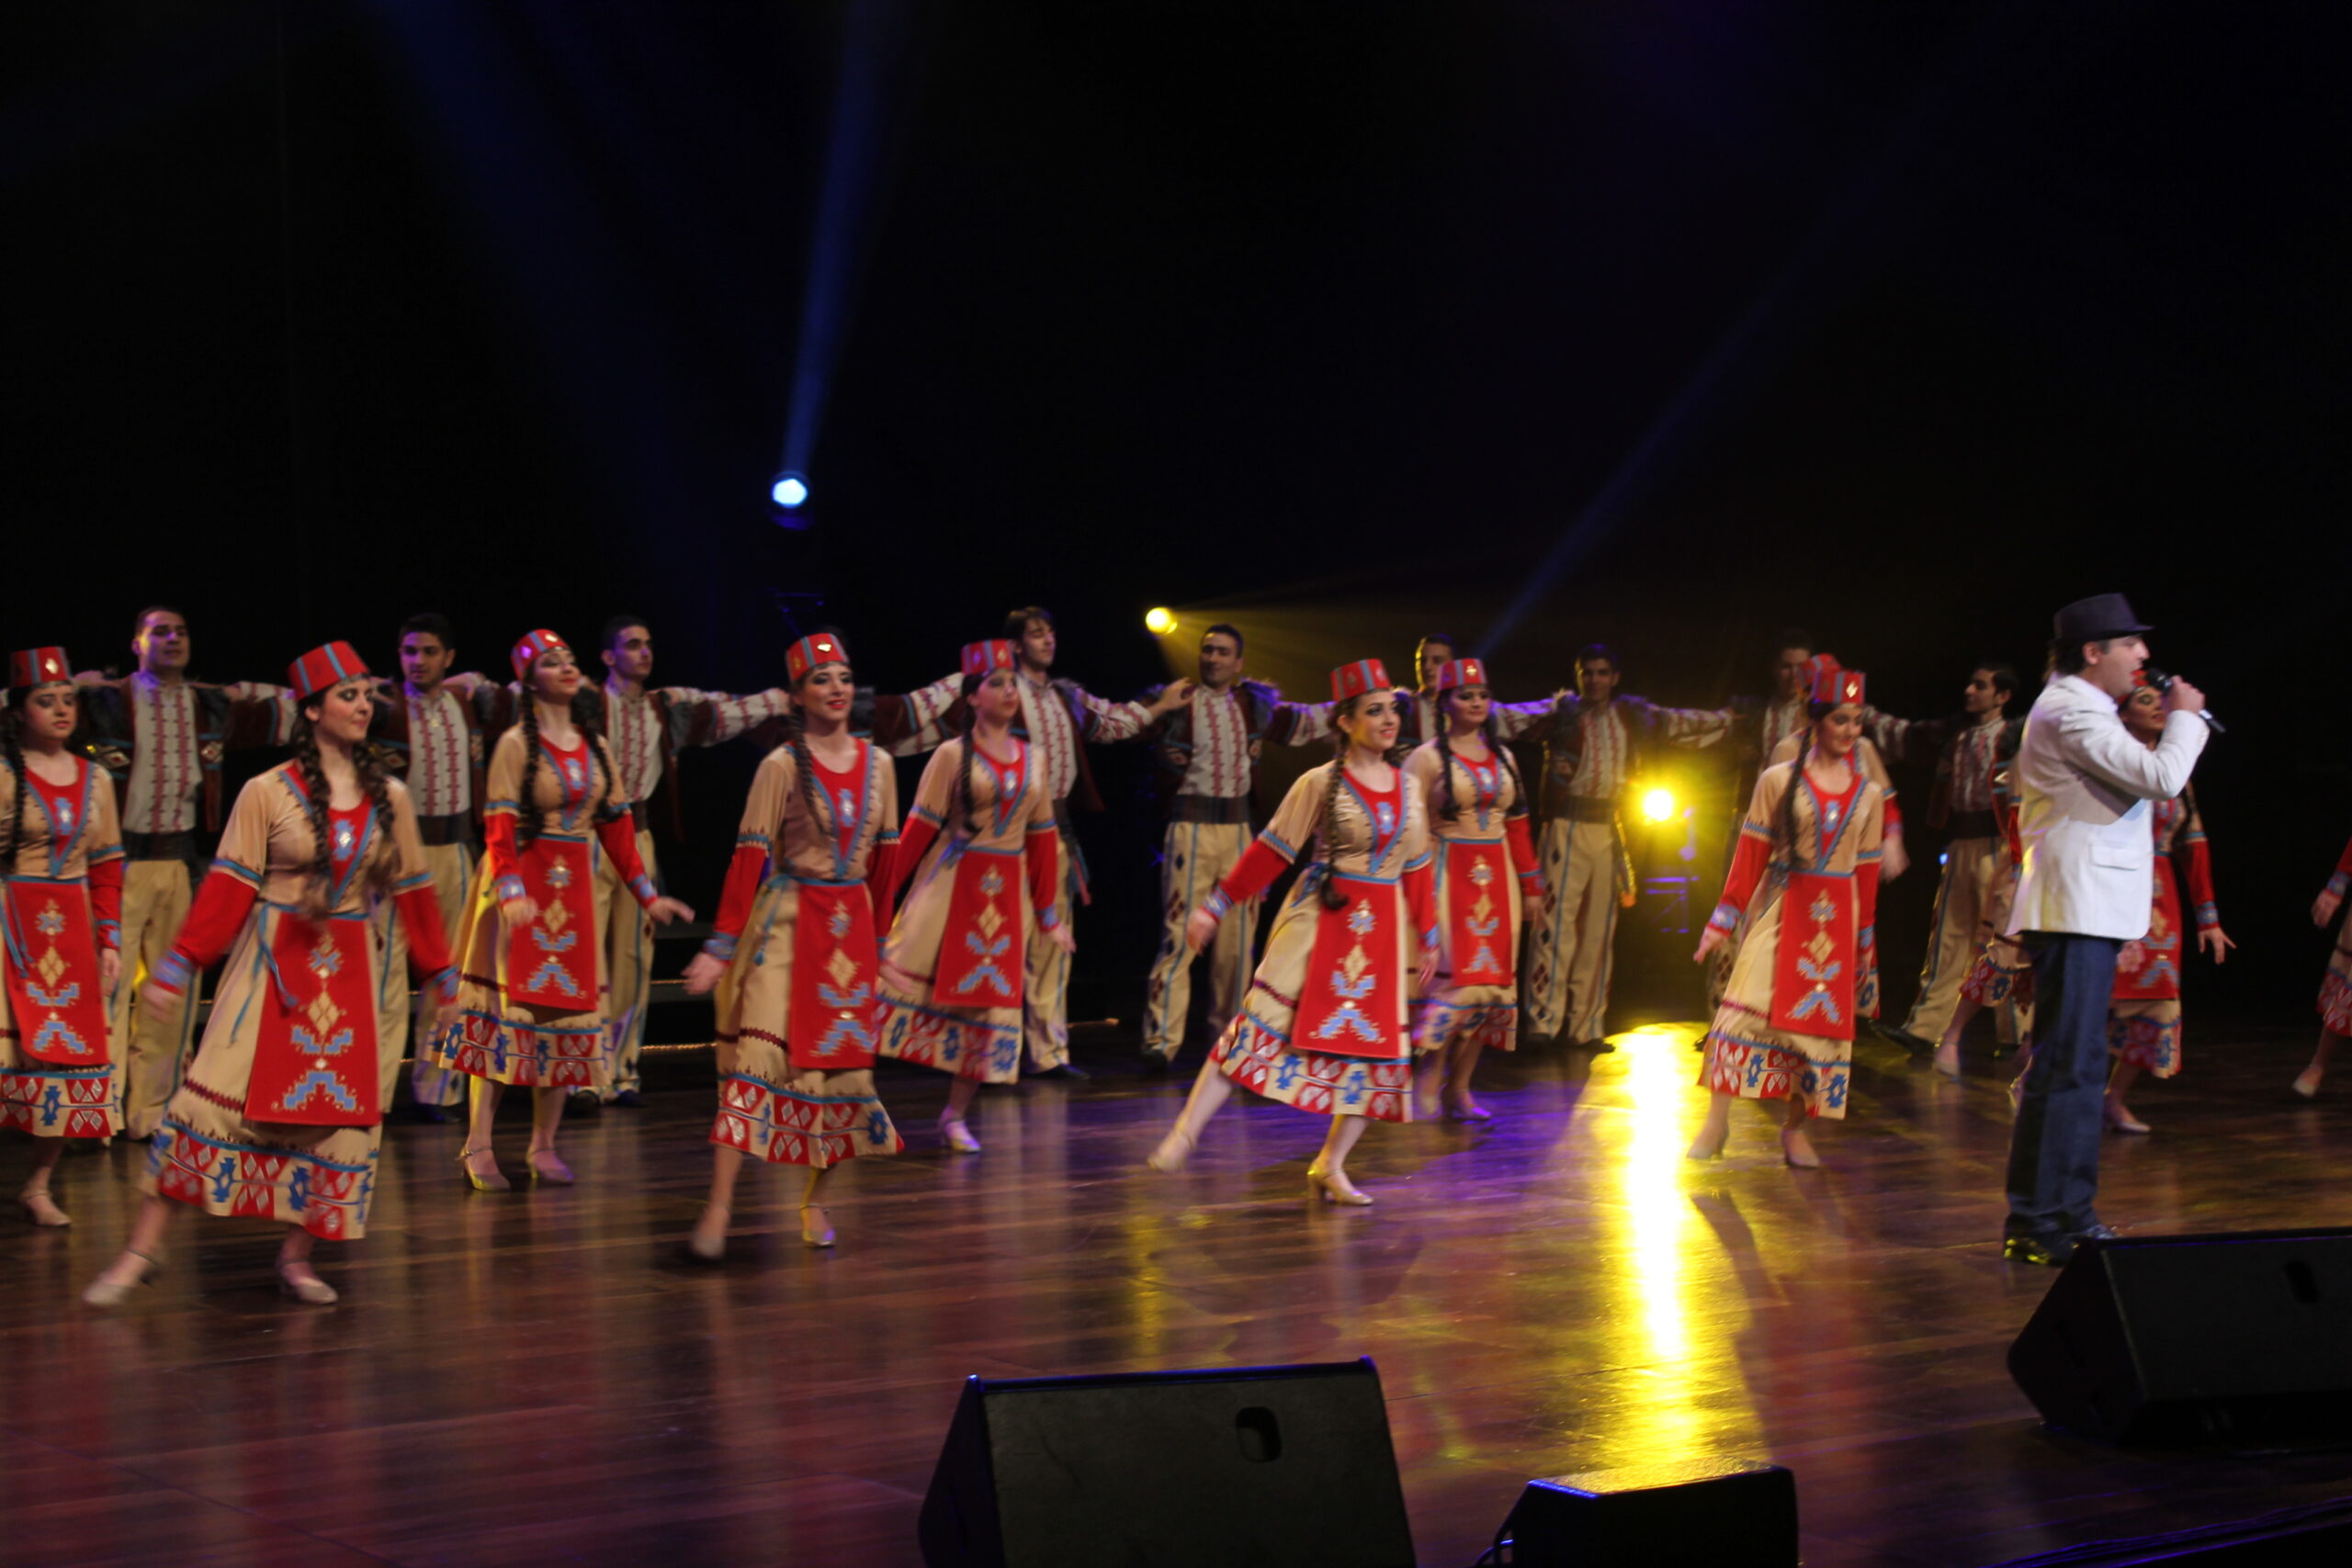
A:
[1973, 825]
[1211, 810]
[1588, 808]
[457, 828]
[159, 846]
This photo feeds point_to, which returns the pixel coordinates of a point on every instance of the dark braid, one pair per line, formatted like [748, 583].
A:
[1502, 752]
[1784, 830]
[963, 823]
[11, 728]
[314, 804]
[526, 810]
[383, 868]
[1332, 897]
[796, 736]
[1447, 807]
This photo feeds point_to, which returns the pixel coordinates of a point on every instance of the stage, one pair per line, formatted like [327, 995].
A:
[539, 1378]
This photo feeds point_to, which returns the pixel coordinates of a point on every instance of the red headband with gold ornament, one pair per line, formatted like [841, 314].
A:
[804, 656]
[325, 668]
[1833, 684]
[1467, 671]
[527, 651]
[39, 667]
[985, 658]
[1366, 675]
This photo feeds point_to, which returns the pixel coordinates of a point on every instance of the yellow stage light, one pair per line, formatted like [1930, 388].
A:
[1657, 805]
[1159, 621]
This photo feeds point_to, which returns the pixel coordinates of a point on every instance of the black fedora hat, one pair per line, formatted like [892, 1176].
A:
[2097, 619]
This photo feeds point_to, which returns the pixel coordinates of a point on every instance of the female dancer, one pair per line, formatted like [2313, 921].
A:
[1344, 947]
[531, 1008]
[2144, 1018]
[2336, 988]
[2002, 972]
[1487, 875]
[951, 968]
[1811, 840]
[63, 922]
[279, 1115]
[795, 1002]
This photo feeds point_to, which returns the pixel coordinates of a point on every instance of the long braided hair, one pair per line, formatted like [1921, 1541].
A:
[1448, 808]
[1784, 826]
[964, 806]
[1332, 897]
[600, 788]
[367, 763]
[804, 765]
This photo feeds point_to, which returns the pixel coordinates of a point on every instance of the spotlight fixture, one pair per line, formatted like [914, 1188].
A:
[790, 490]
[1159, 621]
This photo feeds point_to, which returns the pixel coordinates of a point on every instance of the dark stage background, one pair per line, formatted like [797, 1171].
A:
[1663, 324]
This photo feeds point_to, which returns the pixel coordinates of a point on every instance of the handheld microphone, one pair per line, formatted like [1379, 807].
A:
[2163, 682]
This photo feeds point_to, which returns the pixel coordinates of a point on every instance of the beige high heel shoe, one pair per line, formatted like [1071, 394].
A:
[41, 1209]
[1173, 1150]
[1333, 1187]
[547, 1166]
[709, 1251]
[306, 1287]
[1704, 1147]
[1797, 1149]
[817, 1232]
[959, 1137]
[104, 1294]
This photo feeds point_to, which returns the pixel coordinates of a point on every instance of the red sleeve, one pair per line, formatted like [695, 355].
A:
[620, 839]
[106, 900]
[221, 905]
[2200, 883]
[1251, 874]
[2336, 884]
[1866, 904]
[498, 847]
[1419, 881]
[1894, 829]
[744, 875]
[914, 840]
[881, 870]
[1518, 833]
[1041, 852]
[428, 942]
[1748, 864]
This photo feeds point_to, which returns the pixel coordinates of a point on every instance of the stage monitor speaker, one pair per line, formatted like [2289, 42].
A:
[2235, 1339]
[1278, 1466]
[1682, 1514]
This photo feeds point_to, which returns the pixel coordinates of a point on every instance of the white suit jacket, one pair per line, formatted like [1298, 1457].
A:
[2084, 782]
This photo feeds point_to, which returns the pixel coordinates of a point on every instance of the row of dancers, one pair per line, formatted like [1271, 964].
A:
[1401, 937]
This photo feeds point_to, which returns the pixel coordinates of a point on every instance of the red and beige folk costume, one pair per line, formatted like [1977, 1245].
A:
[434, 740]
[2143, 1021]
[1761, 727]
[1967, 750]
[1593, 752]
[953, 976]
[64, 870]
[280, 1114]
[2335, 988]
[797, 929]
[1786, 1024]
[1325, 1025]
[163, 743]
[2002, 975]
[532, 1002]
[1484, 872]
[1207, 754]
[644, 732]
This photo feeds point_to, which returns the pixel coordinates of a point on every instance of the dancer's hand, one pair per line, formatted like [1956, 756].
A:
[110, 969]
[2324, 908]
[1198, 930]
[1175, 694]
[2212, 940]
[2134, 953]
[160, 1000]
[1060, 937]
[665, 909]
[1893, 862]
[703, 973]
[1429, 968]
[1711, 939]
[517, 912]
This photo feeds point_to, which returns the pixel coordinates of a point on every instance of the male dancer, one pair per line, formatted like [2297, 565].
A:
[161, 737]
[2084, 782]
[1058, 719]
[1965, 748]
[431, 732]
[1433, 653]
[1204, 753]
[645, 729]
[1597, 744]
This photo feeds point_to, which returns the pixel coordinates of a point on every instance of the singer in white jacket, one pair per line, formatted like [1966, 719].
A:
[2084, 784]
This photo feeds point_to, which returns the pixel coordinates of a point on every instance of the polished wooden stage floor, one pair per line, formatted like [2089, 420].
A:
[538, 1378]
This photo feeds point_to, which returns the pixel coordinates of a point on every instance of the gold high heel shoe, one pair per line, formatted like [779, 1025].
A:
[1334, 1188]
[817, 1232]
[959, 1137]
[494, 1182]
[1173, 1150]
[547, 1166]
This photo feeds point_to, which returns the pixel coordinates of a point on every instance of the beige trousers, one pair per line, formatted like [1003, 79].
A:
[1193, 858]
[1571, 940]
[155, 898]
[402, 1007]
[1970, 866]
[628, 969]
[1045, 985]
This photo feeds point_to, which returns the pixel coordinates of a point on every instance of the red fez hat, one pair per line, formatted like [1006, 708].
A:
[39, 667]
[1364, 675]
[804, 656]
[1465, 672]
[1833, 684]
[981, 658]
[527, 651]
[325, 668]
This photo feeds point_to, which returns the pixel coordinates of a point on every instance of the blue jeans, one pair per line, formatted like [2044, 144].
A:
[2053, 1149]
